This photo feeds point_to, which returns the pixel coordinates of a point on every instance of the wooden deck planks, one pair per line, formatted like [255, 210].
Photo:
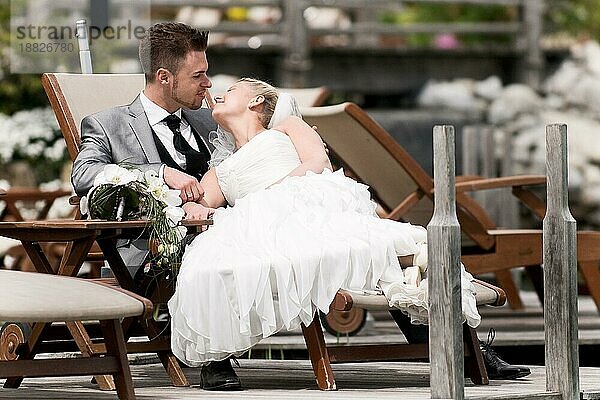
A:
[294, 380]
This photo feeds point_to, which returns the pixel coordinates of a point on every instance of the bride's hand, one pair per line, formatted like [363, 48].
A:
[197, 211]
[314, 127]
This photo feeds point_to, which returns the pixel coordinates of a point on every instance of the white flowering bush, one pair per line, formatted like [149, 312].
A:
[124, 193]
[33, 136]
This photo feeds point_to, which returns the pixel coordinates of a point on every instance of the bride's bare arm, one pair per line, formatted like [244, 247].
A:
[308, 144]
[213, 198]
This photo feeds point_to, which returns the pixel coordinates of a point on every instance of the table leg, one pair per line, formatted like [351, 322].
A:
[75, 254]
[85, 345]
[150, 326]
[117, 266]
[38, 258]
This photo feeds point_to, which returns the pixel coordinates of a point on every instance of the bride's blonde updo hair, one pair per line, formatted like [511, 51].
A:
[260, 88]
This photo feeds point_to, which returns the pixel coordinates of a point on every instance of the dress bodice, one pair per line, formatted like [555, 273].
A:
[266, 159]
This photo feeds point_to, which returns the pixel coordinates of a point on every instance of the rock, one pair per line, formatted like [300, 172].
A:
[489, 89]
[564, 78]
[588, 53]
[585, 93]
[555, 101]
[514, 100]
[456, 95]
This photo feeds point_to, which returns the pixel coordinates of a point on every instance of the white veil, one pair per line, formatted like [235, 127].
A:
[225, 143]
[286, 107]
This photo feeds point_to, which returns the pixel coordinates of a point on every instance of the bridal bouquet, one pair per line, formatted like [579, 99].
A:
[125, 193]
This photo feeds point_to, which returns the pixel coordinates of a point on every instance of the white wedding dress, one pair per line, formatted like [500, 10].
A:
[282, 252]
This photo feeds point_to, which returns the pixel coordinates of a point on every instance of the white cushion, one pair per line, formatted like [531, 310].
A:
[36, 297]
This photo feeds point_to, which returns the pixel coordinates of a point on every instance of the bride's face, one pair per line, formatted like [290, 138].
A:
[232, 104]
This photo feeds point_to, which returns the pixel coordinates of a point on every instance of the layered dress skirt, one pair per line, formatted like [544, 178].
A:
[283, 250]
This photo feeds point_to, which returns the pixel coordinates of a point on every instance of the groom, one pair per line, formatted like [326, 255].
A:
[165, 130]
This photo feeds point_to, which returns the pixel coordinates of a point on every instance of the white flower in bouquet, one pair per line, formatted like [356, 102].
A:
[115, 175]
[181, 231]
[126, 193]
[160, 191]
[174, 214]
[83, 205]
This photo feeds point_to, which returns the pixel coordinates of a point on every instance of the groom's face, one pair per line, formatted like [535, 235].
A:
[191, 82]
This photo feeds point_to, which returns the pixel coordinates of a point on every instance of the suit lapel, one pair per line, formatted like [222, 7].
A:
[202, 124]
[142, 131]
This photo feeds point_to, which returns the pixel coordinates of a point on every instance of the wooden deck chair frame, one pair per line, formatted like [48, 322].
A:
[56, 302]
[405, 191]
[109, 90]
[120, 89]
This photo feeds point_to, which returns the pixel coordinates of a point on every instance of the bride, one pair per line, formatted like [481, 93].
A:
[294, 233]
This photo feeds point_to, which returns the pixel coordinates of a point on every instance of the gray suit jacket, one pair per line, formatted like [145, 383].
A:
[123, 134]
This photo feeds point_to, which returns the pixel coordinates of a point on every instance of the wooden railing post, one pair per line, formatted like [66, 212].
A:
[560, 272]
[446, 353]
[296, 62]
[533, 25]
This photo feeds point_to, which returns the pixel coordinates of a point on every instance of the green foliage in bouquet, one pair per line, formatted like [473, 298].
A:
[125, 193]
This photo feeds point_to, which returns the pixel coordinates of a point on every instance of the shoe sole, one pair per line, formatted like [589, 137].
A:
[510, 377]
[231, 386]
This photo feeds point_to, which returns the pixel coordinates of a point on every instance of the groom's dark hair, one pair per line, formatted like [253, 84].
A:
[166, 45]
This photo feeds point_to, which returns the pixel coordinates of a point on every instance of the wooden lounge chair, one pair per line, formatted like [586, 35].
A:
[69, 96]
[405, 191]
[59, 298]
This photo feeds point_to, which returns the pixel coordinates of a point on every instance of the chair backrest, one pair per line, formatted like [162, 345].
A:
[371, 155]
[309, 97]
[74, 96]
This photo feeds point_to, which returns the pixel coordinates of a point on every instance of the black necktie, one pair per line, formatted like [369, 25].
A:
[194, 160]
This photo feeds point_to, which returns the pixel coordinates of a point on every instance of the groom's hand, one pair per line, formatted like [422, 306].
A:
[190, 188]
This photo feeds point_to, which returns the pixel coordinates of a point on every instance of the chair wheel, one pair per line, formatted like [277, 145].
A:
[12, 335]
[344, 322]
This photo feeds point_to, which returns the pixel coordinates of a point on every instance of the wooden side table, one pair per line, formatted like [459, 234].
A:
[81, 234]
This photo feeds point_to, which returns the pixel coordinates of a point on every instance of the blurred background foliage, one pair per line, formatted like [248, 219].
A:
[578, 17]
[440, 13]
[17, 91]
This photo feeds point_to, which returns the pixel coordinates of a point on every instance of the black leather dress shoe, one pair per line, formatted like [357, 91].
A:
[219, 375]
[496, 367]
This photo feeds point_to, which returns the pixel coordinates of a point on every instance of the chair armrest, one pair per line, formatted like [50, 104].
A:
[498, 183]
[464, 178]
[500, 294]
[345, 300]
[74, 200]
[518, 183]
[406, 204]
